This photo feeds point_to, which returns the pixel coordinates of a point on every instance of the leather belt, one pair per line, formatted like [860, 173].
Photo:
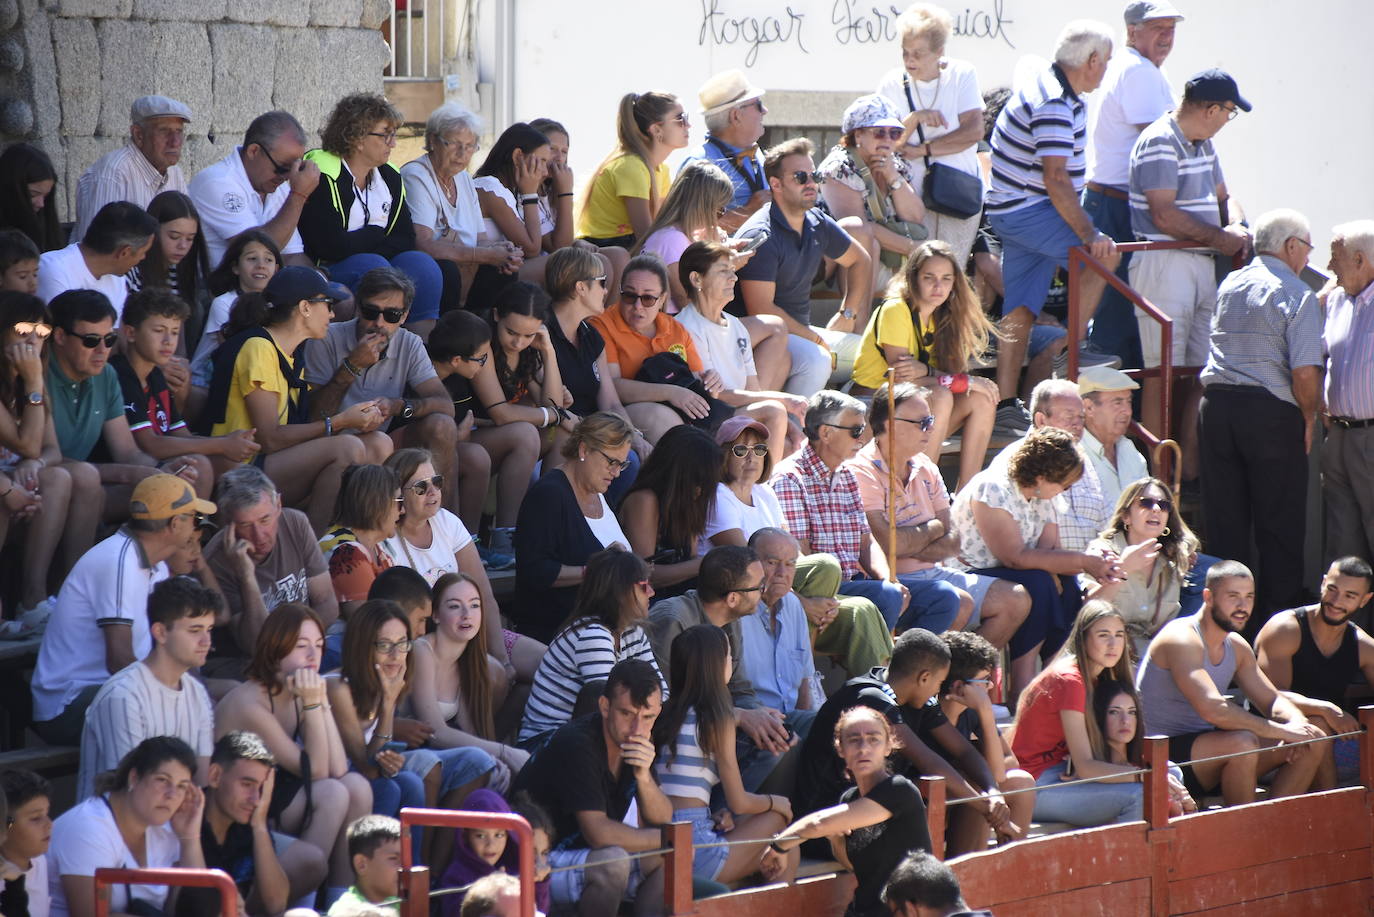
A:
[1109, 191]
[1350, 423]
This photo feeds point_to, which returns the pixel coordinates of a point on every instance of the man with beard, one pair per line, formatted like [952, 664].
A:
[1190, 665]
[1311, 654]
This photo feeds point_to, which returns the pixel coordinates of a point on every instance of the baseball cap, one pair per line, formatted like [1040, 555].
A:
[726, 90]
[292, 284]
[158, 107]
[1215, 86]
[1104, 379]
[1139, 11]
[162, 496]
[869, 111]
[730, 431]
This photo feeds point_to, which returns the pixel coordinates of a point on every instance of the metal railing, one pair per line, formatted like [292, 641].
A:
[184, 878]
[415, 893]
[412, 29]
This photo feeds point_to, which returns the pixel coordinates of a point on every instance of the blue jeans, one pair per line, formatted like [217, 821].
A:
[1086, 805]
[419, 267]
[1190, 594]
[934, 604]
[1114, 328]
[391, 794]
[887, 596]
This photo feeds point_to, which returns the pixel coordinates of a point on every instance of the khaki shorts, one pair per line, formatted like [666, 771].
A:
[1182, 285]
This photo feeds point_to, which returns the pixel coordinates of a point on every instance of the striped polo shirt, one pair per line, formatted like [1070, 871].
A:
[1164, 158]
[1349, 342]
[1044, 118]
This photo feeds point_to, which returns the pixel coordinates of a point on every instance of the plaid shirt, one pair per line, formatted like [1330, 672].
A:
[822, 507]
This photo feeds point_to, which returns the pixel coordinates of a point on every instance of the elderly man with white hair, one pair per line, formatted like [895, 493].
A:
[733, 110]
[1037, 176]
[1259, 406]
[142, 168]
[1347, 473]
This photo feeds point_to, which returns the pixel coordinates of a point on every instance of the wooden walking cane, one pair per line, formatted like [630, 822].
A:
[891, 477]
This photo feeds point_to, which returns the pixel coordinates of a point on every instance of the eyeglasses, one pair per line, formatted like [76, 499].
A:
[1152, 503]
[1231, 112]
[617, 465]
[740, 450]
[388, 136]
[42, 329]
[387, 648]
[926, 423]
[277, 168]
[421, 487]
[855, 431]
[758, 588]
[480, 361]
[644, 584]
[599, 279]
[459, 145]
[985, 682]
[888, 133]
[802, 177]
[92, 341]
[647, 300]
[371, 313]
[1309, 245]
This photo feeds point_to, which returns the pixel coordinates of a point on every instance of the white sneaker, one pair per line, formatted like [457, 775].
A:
[36, 618]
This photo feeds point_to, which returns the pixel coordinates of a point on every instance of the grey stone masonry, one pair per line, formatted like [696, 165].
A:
[69, 70]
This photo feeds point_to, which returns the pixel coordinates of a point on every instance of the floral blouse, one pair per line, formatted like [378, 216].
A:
[993, 488]
[842, 166]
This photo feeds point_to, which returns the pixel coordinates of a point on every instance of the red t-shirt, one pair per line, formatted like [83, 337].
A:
[1038, 739]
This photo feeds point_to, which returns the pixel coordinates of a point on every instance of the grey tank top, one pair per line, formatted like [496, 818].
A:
[1167, 711]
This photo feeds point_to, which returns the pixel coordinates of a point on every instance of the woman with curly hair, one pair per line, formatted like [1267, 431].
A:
[357, 218]
[1007, 519]
[1156, 548]
[26, 195]
[928, 330]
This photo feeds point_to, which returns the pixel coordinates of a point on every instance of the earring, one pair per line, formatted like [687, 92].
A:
[1037, 491]
[1166, 531]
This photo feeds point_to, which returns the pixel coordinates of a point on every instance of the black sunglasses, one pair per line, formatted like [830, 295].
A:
[1153, 503]
[277, 168]
[421, 487]
[92, 341]
[371, 312]
[891, 133]
[802, 177]
[855, 431]
[740, 450]
[646, 300]
[926, 423]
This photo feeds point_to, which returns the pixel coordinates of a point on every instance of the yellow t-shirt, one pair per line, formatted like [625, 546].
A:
[255, 368]
[605, 217]
[891, 325]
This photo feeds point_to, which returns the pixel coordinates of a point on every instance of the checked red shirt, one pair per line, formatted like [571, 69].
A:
[822, 507]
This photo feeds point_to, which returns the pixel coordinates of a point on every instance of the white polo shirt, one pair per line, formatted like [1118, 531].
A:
[64, 269]
[108, 587]
[228, 204]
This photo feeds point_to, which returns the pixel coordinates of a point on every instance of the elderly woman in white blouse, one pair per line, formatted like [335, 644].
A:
[443, 201]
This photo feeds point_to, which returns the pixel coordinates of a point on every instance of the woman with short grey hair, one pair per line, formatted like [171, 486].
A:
[443, 200]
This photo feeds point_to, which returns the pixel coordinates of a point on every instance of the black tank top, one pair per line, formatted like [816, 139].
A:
[1324, 677]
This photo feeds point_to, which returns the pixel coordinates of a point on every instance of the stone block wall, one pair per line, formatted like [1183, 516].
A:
[69, 69]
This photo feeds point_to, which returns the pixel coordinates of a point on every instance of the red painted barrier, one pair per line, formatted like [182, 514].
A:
[415, 879]
[192, 878]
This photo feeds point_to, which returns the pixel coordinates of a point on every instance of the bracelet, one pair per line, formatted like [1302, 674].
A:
[564, 194]
[781, 851]
[382, 735]
[328, 425]
[301, 194]
[770, 802]
[529, 199]
[353, 370]
[312, 706]
[7, 493]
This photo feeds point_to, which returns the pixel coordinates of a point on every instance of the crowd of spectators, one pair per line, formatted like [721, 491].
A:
[272, 434]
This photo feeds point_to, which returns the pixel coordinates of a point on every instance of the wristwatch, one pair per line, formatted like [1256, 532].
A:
[407, 410]
[847, 313]
[35, 398]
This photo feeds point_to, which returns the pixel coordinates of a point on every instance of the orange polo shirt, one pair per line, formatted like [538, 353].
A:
[629, 349]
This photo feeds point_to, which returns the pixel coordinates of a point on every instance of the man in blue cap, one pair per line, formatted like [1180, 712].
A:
[1178, 194]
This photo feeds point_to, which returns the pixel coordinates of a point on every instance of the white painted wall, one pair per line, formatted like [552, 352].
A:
[1307, 68]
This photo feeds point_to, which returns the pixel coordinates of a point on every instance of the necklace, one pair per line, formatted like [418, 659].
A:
[915, 87]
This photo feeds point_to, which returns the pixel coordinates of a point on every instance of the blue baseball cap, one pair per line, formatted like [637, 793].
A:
[1215, 86]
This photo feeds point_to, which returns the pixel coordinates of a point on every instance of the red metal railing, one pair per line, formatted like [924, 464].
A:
[192, 878]
[415, 879]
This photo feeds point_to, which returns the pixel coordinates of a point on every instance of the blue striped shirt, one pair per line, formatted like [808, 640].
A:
[1349, 340]
[686, 771]
[1266, 323]
[1163, 158]
[1045, 118]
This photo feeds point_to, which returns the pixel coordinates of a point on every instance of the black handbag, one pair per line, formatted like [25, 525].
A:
[669, 368]
[950, 191]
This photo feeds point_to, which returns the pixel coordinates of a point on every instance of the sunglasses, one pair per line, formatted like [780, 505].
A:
[926, 423]
[855, 431]
[644, 584]
[646, 300]
[1152, 503]
[371, 313]
[740, 450]
[92, 341]
[41, 329]
[617, 465]
[889, 133]
[421, 487]
[277, 168]
[599, 279]
[802, 177]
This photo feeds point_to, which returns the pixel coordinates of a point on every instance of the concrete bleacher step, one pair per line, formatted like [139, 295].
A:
[48, 760]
